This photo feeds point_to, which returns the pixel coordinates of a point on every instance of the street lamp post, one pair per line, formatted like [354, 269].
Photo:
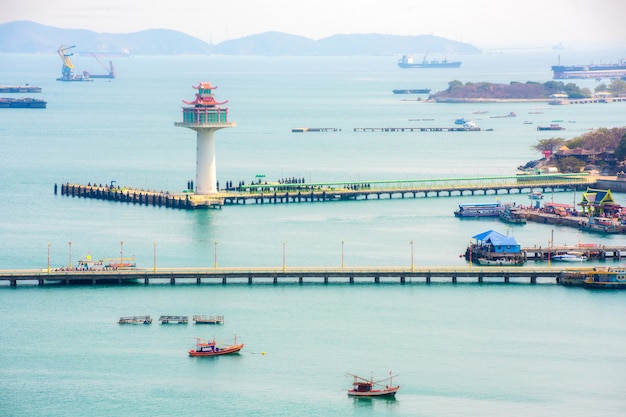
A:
[412, 263]
[154, 269]
[215, 253]
[342, 259]
[121, 253]
[70, 243]
[284, 260]
[48, 257]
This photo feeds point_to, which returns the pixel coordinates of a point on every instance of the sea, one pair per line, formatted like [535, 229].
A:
[462, 349]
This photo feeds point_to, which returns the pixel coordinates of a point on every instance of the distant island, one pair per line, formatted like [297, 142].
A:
[517, 91]
[31, 37]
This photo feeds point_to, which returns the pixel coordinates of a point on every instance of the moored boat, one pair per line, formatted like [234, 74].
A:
[512, 215]
[362, 387]
[601, 225]
[500, 261]
[22, 103]
[20, 89]
[479, 210]
[211, 348]
[203, 319]
[599, 277]
[569, 257]
[612, 70]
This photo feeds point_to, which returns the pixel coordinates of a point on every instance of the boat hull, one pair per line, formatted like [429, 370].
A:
[217, 352]
[391, 392]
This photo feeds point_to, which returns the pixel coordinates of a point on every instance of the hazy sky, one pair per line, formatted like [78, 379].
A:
[484, 23]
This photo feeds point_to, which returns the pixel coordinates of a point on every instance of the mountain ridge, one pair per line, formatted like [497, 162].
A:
[30, 37]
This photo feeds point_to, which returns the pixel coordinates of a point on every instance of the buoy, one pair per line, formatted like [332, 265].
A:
[262, 353]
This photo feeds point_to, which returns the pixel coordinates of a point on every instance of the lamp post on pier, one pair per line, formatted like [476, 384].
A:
[154, 268]
[121, 253]
[284, 259]
[70, 243]
[48, 257]
[412, 263]
[215, 253]
[342, 263]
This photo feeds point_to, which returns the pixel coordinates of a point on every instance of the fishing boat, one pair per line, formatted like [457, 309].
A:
[553, 126]
[407, 62]
[211, 348]
[569, 257]
[135, 320]
[479, 210]
[362, 387]
[512, 215]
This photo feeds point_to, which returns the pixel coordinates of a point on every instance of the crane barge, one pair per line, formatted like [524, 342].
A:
[67, 71]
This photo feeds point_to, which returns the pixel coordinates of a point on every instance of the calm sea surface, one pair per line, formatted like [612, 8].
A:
[466, 349]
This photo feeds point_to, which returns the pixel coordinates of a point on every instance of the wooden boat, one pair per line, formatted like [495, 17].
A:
[211, 348]
[202, 319]
[174, 319]
[135, 320]
[362, 387]
[598, 277]
[479, 210]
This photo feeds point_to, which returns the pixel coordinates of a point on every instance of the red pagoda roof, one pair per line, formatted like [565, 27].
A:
[205, 86]
[207, 101]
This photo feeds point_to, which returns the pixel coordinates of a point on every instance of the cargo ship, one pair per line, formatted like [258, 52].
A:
[617, 70]
[407, 62]
[22, 103]
[20, 89]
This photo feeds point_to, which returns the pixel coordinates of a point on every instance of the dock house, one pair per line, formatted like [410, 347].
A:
[492, 245]
[596, 202]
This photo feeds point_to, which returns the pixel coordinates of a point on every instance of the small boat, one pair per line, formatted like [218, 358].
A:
[500, 261]
[601, 225]
[569, 257]
[535, 195]
[362, 387]
[512, 215]
[211, 348]
[135, 320]
[202, 319]
[553, 126]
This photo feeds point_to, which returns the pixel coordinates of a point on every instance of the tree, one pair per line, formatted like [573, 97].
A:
[620, 151]
[552, 144]
[570, 165]
[618, 87]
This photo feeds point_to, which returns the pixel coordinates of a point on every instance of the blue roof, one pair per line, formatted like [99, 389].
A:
[495, 238]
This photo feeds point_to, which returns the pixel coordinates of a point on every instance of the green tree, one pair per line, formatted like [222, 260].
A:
[570, 164]
[454, 84]
[618, 87]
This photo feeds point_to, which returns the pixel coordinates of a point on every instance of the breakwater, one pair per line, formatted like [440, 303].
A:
[285, 275]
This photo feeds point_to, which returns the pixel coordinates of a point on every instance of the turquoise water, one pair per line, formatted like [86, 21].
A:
[465, 349]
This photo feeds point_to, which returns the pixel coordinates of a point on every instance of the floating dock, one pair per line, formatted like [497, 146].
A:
[202, 319]
[315, 129]
[174, 319]
[135, 320]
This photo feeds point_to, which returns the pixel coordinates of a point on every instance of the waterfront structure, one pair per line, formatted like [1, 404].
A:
[205, 116]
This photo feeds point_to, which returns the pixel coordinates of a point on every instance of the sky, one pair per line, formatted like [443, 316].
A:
[482, 23]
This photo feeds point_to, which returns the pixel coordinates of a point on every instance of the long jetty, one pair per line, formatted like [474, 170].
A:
[274, 193]
[294, 275]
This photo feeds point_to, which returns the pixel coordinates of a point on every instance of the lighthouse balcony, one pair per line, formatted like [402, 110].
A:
[205, 124]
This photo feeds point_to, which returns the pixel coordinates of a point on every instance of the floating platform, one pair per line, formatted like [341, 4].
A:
[135, 320]
[202, 319]
[418, 129]
[315, 129]
[174, 319]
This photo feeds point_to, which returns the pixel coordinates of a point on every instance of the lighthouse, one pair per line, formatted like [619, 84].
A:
[205, 116]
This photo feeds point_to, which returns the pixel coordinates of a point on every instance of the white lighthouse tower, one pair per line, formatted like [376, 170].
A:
[205, 117]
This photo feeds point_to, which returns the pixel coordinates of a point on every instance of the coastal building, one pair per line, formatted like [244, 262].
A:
[205, 116]
[596, 202]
